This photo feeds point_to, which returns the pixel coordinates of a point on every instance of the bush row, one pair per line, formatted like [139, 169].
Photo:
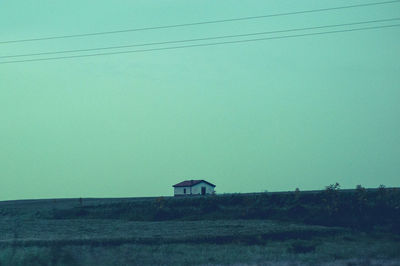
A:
[359, 208]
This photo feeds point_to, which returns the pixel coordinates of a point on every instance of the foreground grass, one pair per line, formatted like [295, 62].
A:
[337, 252]
[324, 228]
[223, 242]
[42, 232]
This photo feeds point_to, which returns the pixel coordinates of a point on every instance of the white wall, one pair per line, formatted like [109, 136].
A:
[179, 190]
[196, 189]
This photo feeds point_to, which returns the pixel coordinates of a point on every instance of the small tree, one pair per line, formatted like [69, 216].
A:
[333, 187]
[297, 194]
[160, 202]
[361, 197]
[331, 198]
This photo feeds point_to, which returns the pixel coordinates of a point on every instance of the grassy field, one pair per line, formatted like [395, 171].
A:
[142, 231]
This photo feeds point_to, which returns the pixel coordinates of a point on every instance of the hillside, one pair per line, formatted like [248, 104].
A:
[359, 209]
[258, 228]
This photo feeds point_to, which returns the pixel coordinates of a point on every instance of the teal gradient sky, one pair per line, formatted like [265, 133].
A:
[272, 115]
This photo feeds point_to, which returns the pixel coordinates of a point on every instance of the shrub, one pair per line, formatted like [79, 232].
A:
[300, 246]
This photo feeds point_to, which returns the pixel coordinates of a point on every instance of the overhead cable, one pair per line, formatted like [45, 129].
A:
[202, 45]
[198, 23]
[199, 39]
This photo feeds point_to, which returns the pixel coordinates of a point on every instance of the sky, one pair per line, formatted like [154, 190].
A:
[271, 115]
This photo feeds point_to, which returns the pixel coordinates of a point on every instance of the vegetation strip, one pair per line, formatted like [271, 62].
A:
[258, 239]
[358, 209]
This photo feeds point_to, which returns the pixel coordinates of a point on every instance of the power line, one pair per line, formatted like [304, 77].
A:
[202, 45]
[199, 23]
[199, 39]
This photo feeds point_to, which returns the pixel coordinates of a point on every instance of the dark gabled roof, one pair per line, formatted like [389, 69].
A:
[190, 183]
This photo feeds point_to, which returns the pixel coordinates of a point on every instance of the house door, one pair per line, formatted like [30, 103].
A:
[203, 190]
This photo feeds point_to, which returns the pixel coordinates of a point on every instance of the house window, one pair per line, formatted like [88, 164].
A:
[184, 191]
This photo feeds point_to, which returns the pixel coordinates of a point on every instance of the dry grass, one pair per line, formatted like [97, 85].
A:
[42, 229]
[275, 253]
[30, 239]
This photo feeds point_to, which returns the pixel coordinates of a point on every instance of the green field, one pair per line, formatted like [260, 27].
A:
[234, 229]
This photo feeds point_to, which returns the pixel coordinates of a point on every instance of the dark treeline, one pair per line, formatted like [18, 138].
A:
[359, 209]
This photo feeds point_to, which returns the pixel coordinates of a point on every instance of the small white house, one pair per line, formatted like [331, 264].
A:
[193, 187]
